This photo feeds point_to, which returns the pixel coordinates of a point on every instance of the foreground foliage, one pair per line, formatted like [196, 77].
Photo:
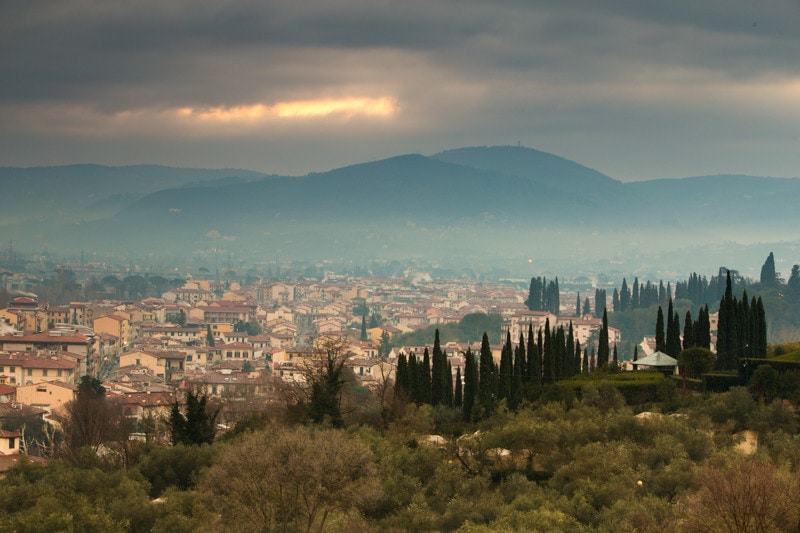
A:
[583, 464]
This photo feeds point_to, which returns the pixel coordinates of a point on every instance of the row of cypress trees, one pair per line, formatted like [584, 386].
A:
[741, 329]
[550, 355]
[695, 332]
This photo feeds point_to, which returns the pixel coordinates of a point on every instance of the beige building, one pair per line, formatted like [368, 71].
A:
[48, 395]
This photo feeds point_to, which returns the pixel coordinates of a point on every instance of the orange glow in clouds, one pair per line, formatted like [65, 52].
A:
[381, 107]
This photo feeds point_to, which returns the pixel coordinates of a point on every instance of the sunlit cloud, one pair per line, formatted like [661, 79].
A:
[345, 107]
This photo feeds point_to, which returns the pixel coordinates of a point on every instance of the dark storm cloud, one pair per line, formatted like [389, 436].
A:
[565, 76]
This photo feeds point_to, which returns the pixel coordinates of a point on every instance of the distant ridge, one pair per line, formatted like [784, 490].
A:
[478, 203]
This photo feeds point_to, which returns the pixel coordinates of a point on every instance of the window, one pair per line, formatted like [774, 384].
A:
[12, 369]
[44, 372]
[228, 354]
[12, 443]
[30, 371]
[59, 373]
[2, 369]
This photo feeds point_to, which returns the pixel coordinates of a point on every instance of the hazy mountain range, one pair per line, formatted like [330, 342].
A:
[489, 206]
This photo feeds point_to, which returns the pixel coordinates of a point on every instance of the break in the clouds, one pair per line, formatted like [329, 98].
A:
[632, 89]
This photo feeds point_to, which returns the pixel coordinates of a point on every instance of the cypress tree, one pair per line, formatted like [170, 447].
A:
[624, 296]
[485, 371]
[761, 317]
[449, 399]
[559, 355]
[437, 372]
[615, 358]
[577, 358]
[425, 377]
[548, 362]
[688, 331]
[587, 307]
[414, 379]
[401, 385]
[673, 341]
[635, 352]
[569, 354]
[585, 365]
[364, 335]
[615, 304]
[534, 360]
[506, 369]
[768, 276]
[518, 372]
[470, 385]
[209, 336]
[602, 344]
[635, 296]
[660, 337]
[458, 399]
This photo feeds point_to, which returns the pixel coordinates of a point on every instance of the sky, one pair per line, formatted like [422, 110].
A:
[634, 89]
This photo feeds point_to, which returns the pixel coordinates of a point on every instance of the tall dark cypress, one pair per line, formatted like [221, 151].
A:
[548, 364]
[506, 368]
[534, 359]
[485, 378]
[470, 385]
[458, 399]
[401, 382]
[761, 317]
[559, 354]
[437, 372]
[673, 340]
[660, 337]
[615, 305]
[603, 349]
[518, 373]
[425, 377]
[635, 295]
[578, 305]
[414, 379]
[569, 354]
[449, 400]
[585, 365]
[624, 296]
[688, 331]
